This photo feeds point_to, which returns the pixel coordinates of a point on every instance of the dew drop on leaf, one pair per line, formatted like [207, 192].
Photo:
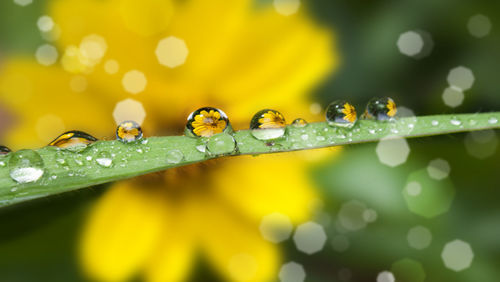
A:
[26, 166]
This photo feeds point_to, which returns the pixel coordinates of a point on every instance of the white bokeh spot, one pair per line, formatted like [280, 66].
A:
[479, 25]
[172, 52]
[457, 255]
[276, 227]
[129, 109]
[386, 276]
[461, 78]
[134, 81]
[438, 169]
[453, 97]
[286, 7]
[46, 54]
[310, 237]
[292, 272]
[419, 237]
[393, 152]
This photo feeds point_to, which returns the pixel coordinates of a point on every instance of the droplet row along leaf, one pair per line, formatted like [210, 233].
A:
[66, 171]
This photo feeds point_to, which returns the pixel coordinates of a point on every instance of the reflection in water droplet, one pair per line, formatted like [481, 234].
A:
[174, 156]
[128, 131]
[221, 143]
[268, 124]
[299, 122]
[26, 166]
[341, 113]
[104, 159]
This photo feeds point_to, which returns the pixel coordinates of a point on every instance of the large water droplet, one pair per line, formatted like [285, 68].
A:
[4, 150]
[174, 156]
[206, 122]
[341, 113]
[73, 140]
[380, 109]
[104, 159]
[221, 143]
[26, 166]
[128, 131]
[268, 124]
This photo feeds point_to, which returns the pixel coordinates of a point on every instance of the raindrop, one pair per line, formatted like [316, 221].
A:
[455, 121]
[380, 109]
[492, 120]
[174, 156]
[221, 143]
[73, 140]
[26, 166]
[206, 122]
[104, 159]
[268, 124]
[435, 123]
[128, 131]
[202, 148]
[299, 122]
[60, 158]
[341, 113]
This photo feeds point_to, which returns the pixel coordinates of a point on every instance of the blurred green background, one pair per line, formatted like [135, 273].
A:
[37, 239]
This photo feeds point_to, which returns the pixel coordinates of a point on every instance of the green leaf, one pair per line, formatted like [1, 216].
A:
[66, 171]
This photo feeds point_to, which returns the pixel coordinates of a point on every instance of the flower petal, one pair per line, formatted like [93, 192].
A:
[123, 231]
[42, 100]
[233, 245]
[267, 184]
[173, 259]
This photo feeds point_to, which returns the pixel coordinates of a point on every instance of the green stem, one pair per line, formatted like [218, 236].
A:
[153, 154]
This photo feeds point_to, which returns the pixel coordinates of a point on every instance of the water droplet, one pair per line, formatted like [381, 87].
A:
[304, 137]
[268, 124]
[201, 148]
[4, 150]
[299, 122]
[371, 131]
[341, 113]
[128, 131]
[2, 163]
[88, 158]
[14, 189]
[60, 158]
[435, 123]
[206, 122]
[380, 109]
[26, 166]
[104, 159]
[145, 141]
[174, 156]
[139, 151]
[455, 121]
[73, 140]
[493, 120]
[221, 143]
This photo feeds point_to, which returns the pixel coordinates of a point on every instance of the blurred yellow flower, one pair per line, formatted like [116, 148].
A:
[124, 59]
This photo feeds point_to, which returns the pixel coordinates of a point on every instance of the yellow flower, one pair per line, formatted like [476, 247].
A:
[349, 113]
[272, 119]
[391, 106]
[174, 57]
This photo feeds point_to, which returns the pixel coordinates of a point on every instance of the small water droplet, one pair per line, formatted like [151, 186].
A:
[104, 159]
[139, 151]
[472, 122]
[299, 122]
[14, 189]
[26, 166]
[455, 121]
[2, 163]
[371, 131]
[145, 141]
[221, 143]
[304, 137]
[435, 123]
[201, 148]
[78, 159]
[394, 130]
[53, 177]
[88, 158]
[492, 120]
[174, 156]
[320, 138]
